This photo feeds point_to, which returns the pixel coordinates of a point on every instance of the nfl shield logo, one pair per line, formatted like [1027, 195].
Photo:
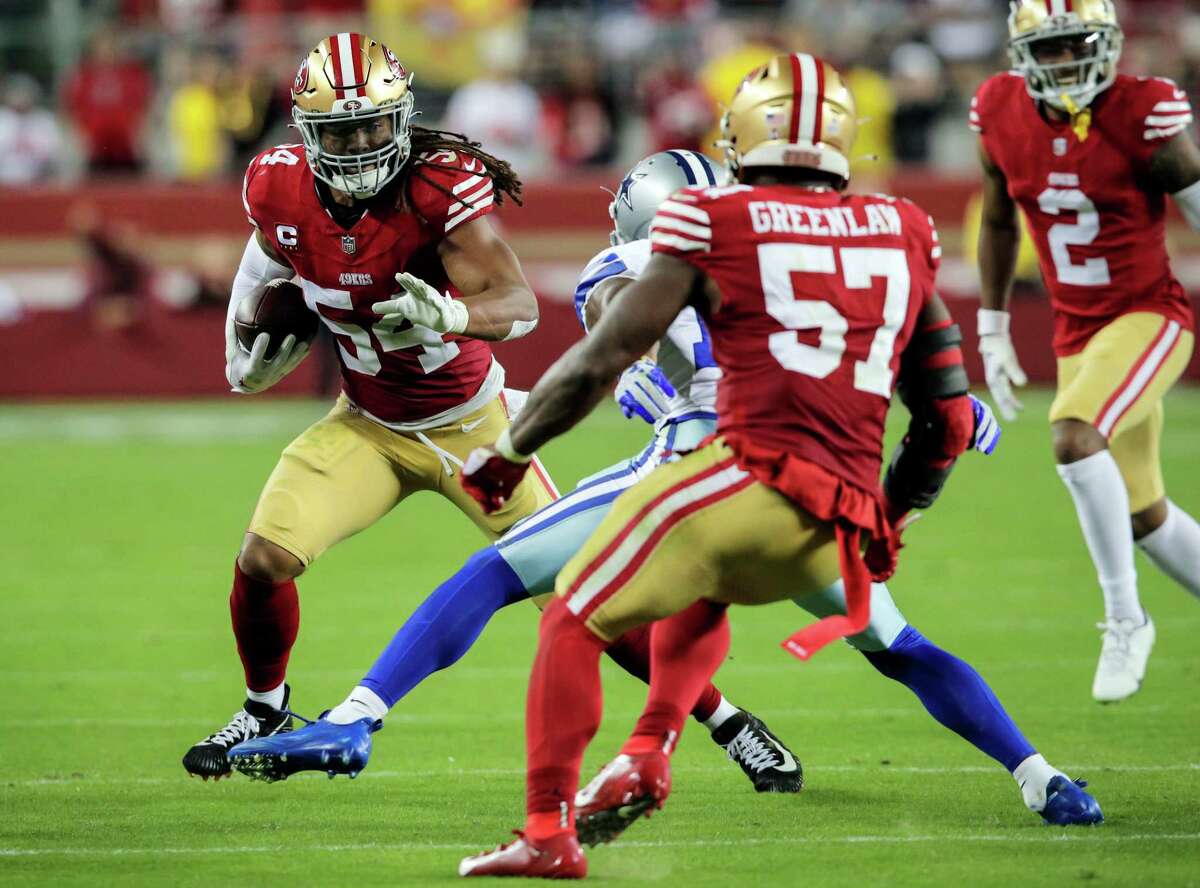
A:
[348, 245]
[1060, 147]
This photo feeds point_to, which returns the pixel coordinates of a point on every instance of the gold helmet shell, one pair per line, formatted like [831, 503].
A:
[795, 111]
[1074, 84]
[350, 77]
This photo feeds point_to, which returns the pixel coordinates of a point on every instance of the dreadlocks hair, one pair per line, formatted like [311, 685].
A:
[424, 141]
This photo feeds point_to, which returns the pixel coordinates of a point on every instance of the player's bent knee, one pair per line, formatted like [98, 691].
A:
[1149, 519]
[1075, 439]
[263, 560]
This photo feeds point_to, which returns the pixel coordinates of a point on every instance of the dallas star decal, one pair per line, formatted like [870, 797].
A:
[627, 184]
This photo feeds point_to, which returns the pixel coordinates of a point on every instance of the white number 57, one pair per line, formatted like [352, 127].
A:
[860, 266]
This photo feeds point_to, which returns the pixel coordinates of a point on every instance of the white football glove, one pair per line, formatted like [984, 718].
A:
[1000, 366]
[423, 306]
[645, 391]
[249, 371]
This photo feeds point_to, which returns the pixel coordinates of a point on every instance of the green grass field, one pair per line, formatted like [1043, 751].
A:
[120, 525]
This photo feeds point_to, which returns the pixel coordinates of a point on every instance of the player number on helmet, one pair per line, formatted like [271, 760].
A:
[860, 266]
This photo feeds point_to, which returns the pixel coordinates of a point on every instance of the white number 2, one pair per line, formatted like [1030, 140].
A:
[434, 352]
[1063, 235]
[860, 265]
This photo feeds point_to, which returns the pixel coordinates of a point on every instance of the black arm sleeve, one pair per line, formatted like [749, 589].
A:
[933, 384]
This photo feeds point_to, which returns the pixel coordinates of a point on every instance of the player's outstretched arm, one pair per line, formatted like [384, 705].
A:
[999, 241]
[571, 388]
[1175, 167]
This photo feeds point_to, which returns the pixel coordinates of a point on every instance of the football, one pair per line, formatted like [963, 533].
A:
[276, 308]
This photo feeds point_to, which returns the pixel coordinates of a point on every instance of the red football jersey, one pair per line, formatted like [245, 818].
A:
[1099, 230]
[399, 374]
[820, 292]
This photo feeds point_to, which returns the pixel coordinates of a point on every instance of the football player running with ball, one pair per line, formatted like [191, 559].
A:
[678, 397]
[1089, 156]
[375, 218]
[780, 501]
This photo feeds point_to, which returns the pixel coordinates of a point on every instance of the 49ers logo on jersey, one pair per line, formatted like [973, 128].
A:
[300, 84]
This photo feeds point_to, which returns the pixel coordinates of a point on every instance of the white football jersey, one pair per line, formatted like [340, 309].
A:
[684, 354]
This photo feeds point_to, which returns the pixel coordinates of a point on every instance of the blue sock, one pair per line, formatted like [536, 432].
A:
[955, 694]
[445, 625]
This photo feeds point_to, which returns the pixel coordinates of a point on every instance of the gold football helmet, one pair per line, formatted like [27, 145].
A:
[350, 77]
[1042, 32]
[793, 111]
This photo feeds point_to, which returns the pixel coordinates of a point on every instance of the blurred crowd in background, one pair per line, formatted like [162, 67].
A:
[189, 90]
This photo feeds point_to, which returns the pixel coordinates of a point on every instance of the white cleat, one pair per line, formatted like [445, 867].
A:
[1124, 650]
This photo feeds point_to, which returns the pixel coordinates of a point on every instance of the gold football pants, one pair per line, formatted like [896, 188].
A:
[346, 472]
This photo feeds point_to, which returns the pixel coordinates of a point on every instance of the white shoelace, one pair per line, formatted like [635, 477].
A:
[747, 747]
[243, 726]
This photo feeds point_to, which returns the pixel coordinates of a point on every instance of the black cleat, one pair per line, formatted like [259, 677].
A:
[209, 758]
[762, 756]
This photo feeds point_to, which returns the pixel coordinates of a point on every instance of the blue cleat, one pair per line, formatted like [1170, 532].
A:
[318, 746]
[1066, 803]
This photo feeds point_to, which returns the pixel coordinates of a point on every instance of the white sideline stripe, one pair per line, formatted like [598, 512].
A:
[783, 668]
[840, 713]
[1164, 107]
[818, 769]
[694, 213]
[1055, 837]
[1140, 380]
[168, 425]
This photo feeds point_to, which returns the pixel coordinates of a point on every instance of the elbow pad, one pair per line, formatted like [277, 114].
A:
[932, 367]
[1188, 201]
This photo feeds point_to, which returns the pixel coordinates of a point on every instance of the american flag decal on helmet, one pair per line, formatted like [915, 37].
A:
[808, 94]
[347, 68]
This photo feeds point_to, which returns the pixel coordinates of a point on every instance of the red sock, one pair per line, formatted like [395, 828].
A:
[632, 653]
[562, 713]
[686, 650]
[266, 618]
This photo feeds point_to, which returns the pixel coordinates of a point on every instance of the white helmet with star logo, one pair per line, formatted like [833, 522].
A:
[649, 183]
